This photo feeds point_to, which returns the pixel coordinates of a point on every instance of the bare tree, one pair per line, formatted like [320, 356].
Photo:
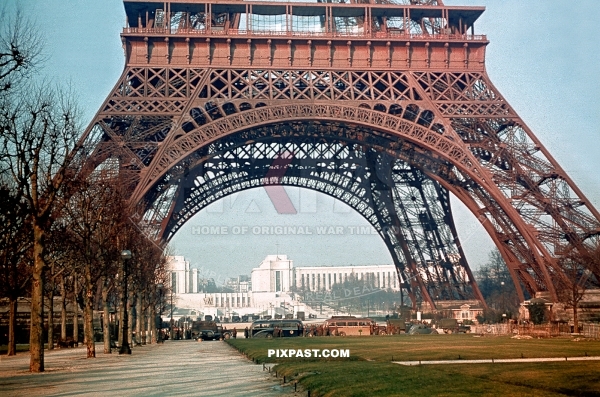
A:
[14, 247]
[148, 267]
[99, 225]
[39, 130]
[20, 54]
[20, 48]
[94, 214]
[580, 266]
[497, 287]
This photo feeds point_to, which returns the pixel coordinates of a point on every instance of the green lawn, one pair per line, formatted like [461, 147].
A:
[20, 348]
[369, 371]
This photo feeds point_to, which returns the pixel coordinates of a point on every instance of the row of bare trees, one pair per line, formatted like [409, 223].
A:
[579, 270]
[62, 224]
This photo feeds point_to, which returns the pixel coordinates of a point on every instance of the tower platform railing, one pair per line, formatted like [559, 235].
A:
[400, 35]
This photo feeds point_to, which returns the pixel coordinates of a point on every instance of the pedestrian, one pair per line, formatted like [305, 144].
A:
[234, 333]
[246, 333]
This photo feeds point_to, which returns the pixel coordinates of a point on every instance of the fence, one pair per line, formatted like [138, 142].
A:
[491, 329]
[588, 330]
[301, 33]
[591, 330]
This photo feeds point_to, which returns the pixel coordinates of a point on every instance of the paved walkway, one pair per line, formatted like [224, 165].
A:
[175, 368]
[499, 360]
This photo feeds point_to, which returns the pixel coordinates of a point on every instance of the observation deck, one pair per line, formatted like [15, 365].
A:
[318, 35]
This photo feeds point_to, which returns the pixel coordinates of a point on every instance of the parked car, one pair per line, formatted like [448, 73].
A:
[451, 325]
[266, 328]
[397, 326]
[209, 330]
[421, 329]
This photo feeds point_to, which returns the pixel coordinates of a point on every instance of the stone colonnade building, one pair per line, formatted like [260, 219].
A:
[276, 273]
[274, 282]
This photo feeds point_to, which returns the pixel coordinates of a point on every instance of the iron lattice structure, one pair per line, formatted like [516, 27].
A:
[386, 107]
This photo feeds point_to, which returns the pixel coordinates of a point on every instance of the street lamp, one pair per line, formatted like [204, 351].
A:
[502, 292]
[125, 349]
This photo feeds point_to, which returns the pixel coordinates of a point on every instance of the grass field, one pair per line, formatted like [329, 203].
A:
[369, 371]
[20, 348]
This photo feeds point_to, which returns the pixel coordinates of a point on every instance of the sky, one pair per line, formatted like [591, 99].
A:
[543, 56]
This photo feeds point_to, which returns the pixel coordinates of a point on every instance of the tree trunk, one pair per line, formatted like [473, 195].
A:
[51, 318]
[151, 330]
[84, 326]
[75, 310]
[145, 316]
[36, 334]
[106, 322]
[12, 325]
[145, 329]
[575, 319]
[88, 314]
[139, 321]
[63, 309]
[130, 319]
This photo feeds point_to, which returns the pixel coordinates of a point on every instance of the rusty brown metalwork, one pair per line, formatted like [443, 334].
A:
[386, 107]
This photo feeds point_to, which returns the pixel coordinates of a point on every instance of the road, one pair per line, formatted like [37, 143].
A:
[175, 368]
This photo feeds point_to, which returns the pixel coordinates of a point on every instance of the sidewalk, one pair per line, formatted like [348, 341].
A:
[175, 368]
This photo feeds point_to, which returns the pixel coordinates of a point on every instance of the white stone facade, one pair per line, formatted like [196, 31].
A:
[274, 274]
[274, 284]
[180, 275]
[322, 278]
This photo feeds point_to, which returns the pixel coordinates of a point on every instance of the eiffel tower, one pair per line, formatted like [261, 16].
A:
[383, 105]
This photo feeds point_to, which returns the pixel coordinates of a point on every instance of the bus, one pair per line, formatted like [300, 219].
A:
[350, 325]
[267, 328]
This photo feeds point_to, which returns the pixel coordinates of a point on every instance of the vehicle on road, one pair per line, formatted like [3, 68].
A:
[209, 330]
[350, 325]
[396, 326]
[421, 329]
[451, 325]
[276, 328]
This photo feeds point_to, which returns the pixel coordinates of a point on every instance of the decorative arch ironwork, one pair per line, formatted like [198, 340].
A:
[410, 211]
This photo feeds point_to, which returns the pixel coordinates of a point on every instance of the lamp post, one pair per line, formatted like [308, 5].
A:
[125, 349]
[502, 292]
[160, 300]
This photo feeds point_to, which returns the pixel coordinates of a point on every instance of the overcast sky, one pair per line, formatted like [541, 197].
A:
[543, 56]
